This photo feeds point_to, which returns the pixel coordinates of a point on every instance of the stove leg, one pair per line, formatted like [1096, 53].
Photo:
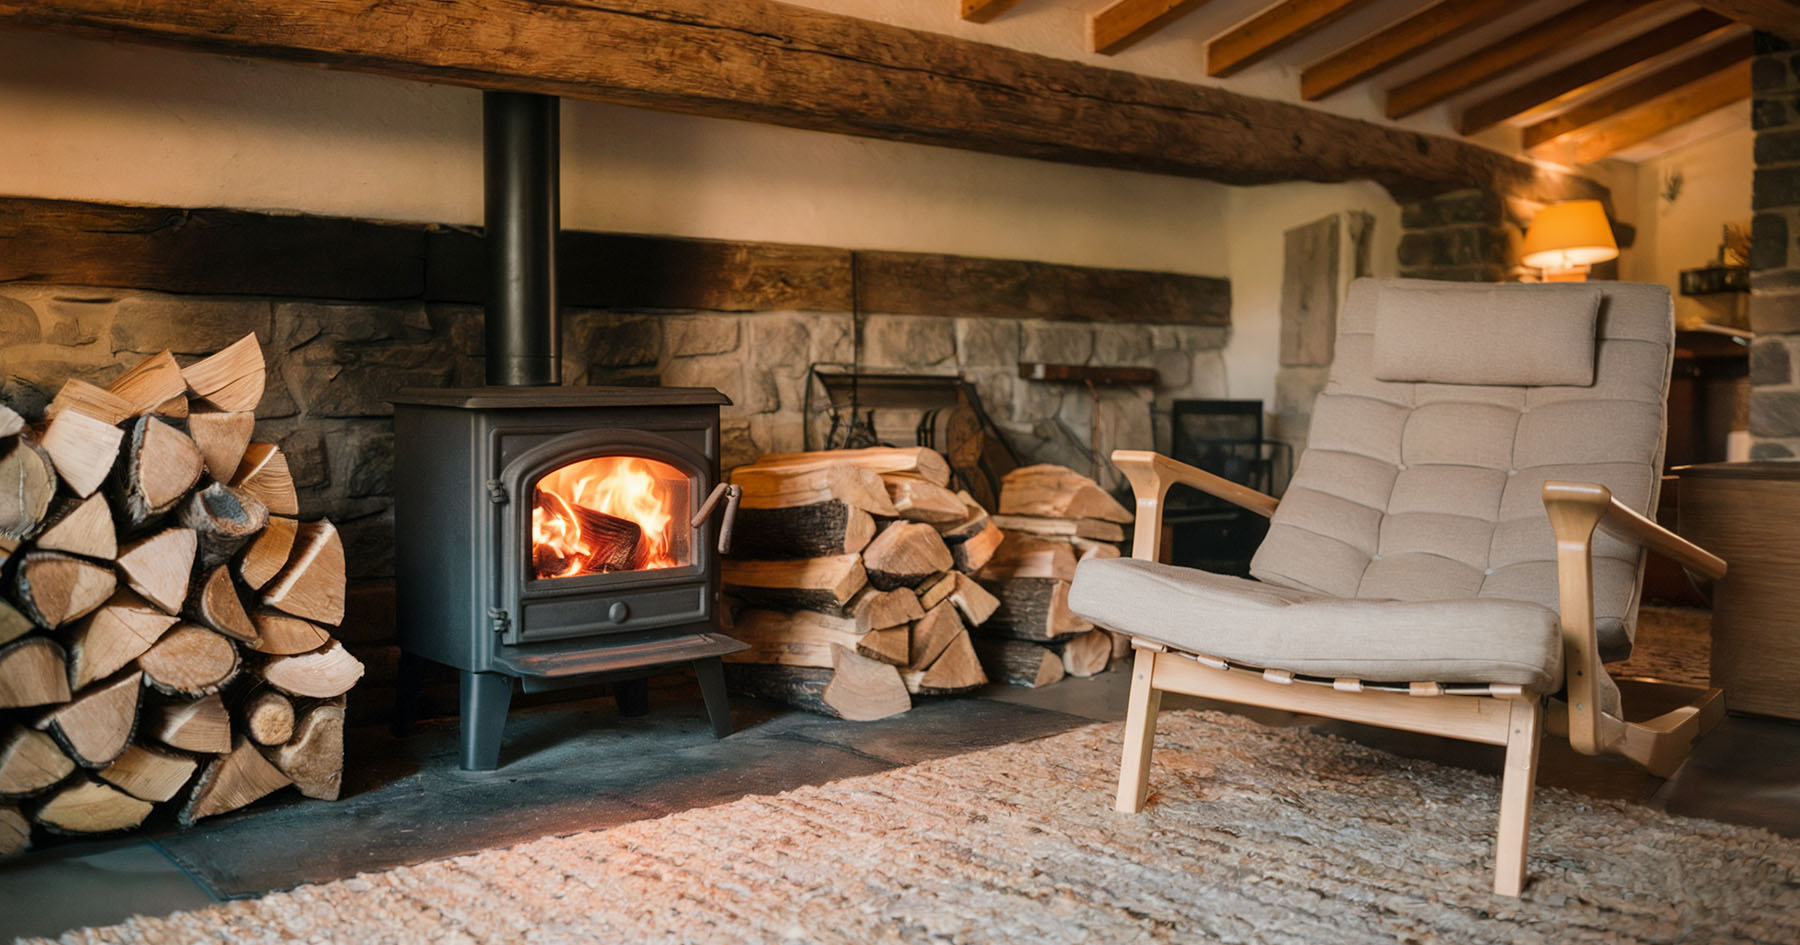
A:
[408, 681]
[632, 697]
[711, 673]
[485, 697]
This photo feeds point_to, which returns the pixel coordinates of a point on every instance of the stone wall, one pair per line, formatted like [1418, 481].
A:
[1775, 252]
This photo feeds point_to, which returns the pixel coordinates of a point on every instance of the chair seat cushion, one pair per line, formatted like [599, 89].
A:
[1476, 640]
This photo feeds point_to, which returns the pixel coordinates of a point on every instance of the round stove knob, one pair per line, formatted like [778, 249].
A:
[618, 612]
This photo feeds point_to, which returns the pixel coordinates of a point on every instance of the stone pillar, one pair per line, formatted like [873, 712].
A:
[1460, 236]
[1775, 252]
[1319, 260]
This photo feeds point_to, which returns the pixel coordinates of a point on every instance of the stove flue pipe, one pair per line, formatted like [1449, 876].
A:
[520, 163]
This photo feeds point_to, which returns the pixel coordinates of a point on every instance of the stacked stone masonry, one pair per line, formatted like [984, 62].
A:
[1775, 251]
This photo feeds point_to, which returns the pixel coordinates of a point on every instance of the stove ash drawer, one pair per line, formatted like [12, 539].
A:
[593, 614]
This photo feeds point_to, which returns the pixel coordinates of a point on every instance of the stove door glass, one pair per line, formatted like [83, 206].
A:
[609, 513]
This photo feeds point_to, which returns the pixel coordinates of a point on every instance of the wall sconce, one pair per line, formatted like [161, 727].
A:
[1567, 238]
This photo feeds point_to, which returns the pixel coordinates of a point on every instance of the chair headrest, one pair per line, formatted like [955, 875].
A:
[1539, 335]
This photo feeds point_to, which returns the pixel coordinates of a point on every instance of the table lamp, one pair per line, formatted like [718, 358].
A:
[1566, 238]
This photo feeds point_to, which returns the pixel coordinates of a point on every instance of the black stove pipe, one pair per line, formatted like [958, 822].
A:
[520, 162]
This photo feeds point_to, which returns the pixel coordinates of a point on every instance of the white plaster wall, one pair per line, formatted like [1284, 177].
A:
[1685, 233]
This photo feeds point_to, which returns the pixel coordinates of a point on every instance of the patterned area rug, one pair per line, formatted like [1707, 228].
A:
[1673, 644]
[1253, 835]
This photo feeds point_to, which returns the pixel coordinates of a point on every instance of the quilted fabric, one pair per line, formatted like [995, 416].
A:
[1428, 491]
[1487, 334]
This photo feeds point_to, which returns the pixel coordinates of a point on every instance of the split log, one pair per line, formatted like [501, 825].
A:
[84, 398]
[161, 464]
[231, 781]
[780, 488]
[111, 637]
[932, 635]
[1051, 491]
[224, 520]
[33, 671]
[30, 761]
[268, 552]
[1086, 654]
[81, 527]
[157, 567]
[936, 590]
[326, 672]
[175, 408]
[972, 600]
[802, 687]
[269, 718]
[13, 624]
[885, 646]
[95, 728]
[955, 670]
[863, 690]
[1021, 556]
[87, 807]
[215, 605]
[1085, 549]
[823, 584]
[876, 609]
[312, 584]
[918, 461]
[232, 379]
[802, 531]
[27, 484]
[617, 542]
[974, 553]
[1019, 663]
[222, 436]
[53, 588]
[1121, 644]
[263, 475]
[150, 774]
[11, 424]
[973, 522]
[83, 449]
[278, 634]
[314, 758]
[799, 638]
[15, 831]
[919, 501]
[1033, 609]
[202, 725]
[905, 554]
[154, 382]
[1065, 528]
[190, 661]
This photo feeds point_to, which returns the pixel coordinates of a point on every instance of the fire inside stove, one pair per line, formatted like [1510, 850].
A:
[611, 513]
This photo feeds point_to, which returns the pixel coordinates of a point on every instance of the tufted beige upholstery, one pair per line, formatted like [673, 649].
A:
[1418, 491]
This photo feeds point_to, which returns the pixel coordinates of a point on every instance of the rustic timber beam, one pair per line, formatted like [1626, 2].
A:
[1499, 58]
[1781, 17]
[1658, 83]
[239, 252]
[1272, 30]
[1409, 37]
[1575, 78]
[1119, 25]
[1662, 114]
[759, 60]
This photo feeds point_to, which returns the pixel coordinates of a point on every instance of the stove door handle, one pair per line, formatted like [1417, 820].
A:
[731, 494]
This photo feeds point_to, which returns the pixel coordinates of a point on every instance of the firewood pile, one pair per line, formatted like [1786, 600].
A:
[163, 632]
[864, 581]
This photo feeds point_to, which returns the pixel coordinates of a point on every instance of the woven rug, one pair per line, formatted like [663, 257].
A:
[1673, 644]
[1253, 835]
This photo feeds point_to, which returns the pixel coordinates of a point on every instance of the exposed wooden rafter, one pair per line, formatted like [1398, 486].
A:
[1271, 30]
[1662, 114]
[1127, 21]
[1781, 17]
[1578, 76]
[758, 60]
[1504, 56]
[1661, 82]
[981, 11]
[1409, 37]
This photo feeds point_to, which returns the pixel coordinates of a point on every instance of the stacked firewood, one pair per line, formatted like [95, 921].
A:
[853, 568]
[163, 627]
[1052, 518]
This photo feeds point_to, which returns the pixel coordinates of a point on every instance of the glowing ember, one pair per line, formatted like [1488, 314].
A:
[613, 513]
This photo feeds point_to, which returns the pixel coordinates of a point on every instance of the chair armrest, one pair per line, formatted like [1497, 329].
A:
[1151, 475]
[1618, 518]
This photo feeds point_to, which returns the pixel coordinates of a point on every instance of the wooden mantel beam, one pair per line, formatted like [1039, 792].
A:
[760, 60]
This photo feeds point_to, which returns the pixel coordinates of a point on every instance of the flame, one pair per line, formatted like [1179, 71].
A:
[638, 490]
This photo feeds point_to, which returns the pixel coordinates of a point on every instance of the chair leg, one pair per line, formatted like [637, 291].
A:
[1524, 731]
[1140, 734]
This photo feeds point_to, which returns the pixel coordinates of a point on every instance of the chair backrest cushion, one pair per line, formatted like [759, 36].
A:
[1426, 490]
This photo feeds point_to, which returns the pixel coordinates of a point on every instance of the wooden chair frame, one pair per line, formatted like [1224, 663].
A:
[1496, 715]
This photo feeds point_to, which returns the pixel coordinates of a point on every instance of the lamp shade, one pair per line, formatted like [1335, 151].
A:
[1568, 235]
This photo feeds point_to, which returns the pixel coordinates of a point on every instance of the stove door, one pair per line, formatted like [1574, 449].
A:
[597, 537]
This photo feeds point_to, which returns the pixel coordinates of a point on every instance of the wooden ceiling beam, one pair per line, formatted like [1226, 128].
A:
[981, 11]
[1661, 82]
[1497, 59]
[1128, 21]
[1781, 17]
[1575, 78]
[1272, 30]
[1407, 38]
[1679, 107]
